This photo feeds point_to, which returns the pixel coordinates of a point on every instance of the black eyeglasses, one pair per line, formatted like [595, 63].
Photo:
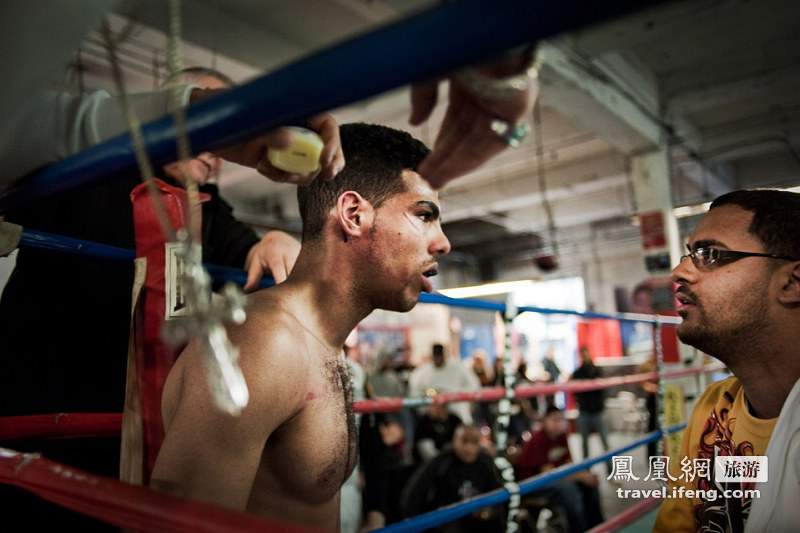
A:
[707, 257]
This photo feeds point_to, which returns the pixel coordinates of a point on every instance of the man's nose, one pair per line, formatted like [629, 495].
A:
[684, 270]
[441, 244]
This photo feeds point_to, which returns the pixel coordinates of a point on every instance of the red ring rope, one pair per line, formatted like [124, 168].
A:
[137, 507]
[123, 504]
[73, 425]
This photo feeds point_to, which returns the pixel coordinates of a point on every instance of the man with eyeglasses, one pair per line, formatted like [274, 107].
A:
[739, 296]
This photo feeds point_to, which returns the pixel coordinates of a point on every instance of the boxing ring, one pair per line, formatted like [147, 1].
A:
[133, 506]
[137, 507]
[381, 60]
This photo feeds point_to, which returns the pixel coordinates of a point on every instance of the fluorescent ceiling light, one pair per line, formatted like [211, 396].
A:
[486, 289]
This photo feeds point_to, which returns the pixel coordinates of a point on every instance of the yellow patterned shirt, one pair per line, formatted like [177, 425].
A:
[720, 425]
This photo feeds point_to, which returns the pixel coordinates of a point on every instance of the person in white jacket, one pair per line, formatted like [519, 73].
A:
[444, 374]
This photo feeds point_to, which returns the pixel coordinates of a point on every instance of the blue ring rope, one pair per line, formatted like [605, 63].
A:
[49, 241]
[457, 510]
[436, 298]
[44, 240]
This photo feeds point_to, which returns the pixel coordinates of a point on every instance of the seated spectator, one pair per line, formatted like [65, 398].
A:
[547, 449]
[461, 471]
[433, 431]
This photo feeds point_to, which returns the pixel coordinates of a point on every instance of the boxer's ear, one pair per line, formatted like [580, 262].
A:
[354, 214]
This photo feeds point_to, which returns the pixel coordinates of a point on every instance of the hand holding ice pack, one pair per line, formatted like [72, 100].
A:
[302, 157]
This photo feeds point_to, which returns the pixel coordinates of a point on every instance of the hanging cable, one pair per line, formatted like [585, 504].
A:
[541, 174]
[184, 151]
[134, 126]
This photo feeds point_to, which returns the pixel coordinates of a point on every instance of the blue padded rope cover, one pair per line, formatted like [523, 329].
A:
[419, 47]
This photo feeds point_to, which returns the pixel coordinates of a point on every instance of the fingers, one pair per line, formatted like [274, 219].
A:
[276, 252]
[335, 161]
[454, 151]
[279, 139]
[464, 143]
[466, 140]
[279, 270]
[274, 263]
[449, 161]
[430, 169]
[266, 169]
[332, 158]
[254, 272]
[423, 100]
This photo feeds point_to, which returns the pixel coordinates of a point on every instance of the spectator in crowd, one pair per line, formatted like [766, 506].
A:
[547, 449]
[383, 468]
[488, 377]
[461, 471]
[434, 430]
[649, 389]
[444, 374]
[591, 405]
[384, 379]
[552, 373]
[523, 410]
[481, 367]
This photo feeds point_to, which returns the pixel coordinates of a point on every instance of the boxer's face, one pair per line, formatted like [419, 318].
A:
[406, 241]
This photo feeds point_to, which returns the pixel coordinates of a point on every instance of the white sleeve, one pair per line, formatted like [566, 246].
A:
[471, 381]
[36, 48]
[775, 508]
[55, 125]
[413, 384]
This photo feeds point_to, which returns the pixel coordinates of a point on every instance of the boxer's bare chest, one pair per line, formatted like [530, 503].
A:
[309, 457]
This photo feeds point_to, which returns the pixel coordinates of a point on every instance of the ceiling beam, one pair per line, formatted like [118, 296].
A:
[587, 95]
[521, 179]
[733, 92]
[508, 203]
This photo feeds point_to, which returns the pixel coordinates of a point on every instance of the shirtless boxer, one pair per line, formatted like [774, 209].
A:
[371, 239]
